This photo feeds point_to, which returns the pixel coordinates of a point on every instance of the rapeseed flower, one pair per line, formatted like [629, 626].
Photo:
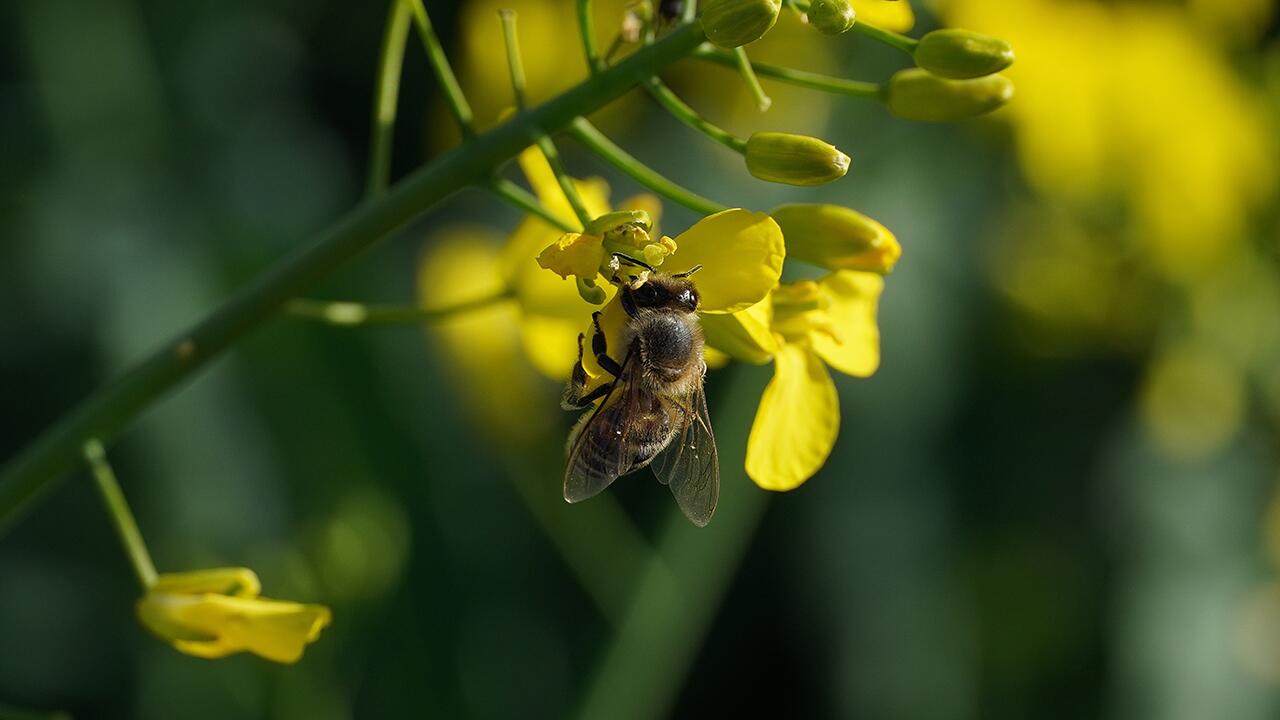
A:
[215, 613]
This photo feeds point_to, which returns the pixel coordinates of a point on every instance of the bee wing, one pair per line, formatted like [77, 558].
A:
[690, 464]
[598, 448]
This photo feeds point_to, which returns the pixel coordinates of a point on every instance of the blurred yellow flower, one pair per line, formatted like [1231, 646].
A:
[1148, 113]
[215, 613]
[803, 327]
[893, 15]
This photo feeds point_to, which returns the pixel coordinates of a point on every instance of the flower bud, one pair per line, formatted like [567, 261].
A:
[733, 23]
[960, 54]
[831, 17]
[837, 238]
[917, 94]
[794, 159]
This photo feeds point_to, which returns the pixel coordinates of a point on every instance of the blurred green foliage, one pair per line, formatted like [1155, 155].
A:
[1003, 531]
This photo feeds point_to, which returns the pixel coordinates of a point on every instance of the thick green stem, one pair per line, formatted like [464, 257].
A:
[121, 516]
[524, 200]
[587, 134]
[588, 37]
[111, 408]
[687, 115]
[681, 587]
[352, 314]
[749, 75]
[514, 66]
[802, 78]
[386, 96]
[457, 102]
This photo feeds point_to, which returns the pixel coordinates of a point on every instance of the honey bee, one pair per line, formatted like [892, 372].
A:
[653, 412]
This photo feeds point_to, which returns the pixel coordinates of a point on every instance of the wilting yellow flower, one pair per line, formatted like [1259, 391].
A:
[741, 254]
[215, 613]
[804, 327]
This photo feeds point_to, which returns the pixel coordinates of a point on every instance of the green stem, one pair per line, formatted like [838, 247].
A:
[566, 183]
[386, 96]
[588, 37]
[587, 134]
[815, 81]
[672, 608]
[690, 11]
[687, 115]
[753, 83]
[892, 39]
[524, 200]
[121, 516]
[351, 314]
[457, 102]
[111, 408]
[514, 66]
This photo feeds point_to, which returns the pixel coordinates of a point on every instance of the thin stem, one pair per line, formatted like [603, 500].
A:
[33, 470]
[587, 134]
[121, 516]
[524, 200]
[457, 102]
[588, 37]
[566, 183]
[386, 97]
[687, 115]
[352, 314]
[802, 78]
[690, 11]
[514, 65]
[753, 83]
[888, 37]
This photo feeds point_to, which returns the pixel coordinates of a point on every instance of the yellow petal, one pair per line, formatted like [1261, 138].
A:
[551, 344]
[741, 254]
[714, 358]
[223, 581]
[797, 422]
[573, 254]
[744, 335]
[273, 629]
[613, 320]
[851, 344]
[893, 15]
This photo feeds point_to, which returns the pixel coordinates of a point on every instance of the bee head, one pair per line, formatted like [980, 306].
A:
[663, 292]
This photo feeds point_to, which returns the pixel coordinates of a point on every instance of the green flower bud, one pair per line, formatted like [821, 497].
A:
[794, 159]
[917, 94]
[733, 23]
[960, 54]
[831, 17]
[837, 238]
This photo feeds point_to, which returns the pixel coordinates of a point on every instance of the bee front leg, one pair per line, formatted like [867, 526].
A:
[600, 346]
[573, 399]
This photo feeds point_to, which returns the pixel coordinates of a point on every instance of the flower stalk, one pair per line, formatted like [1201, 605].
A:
[800, 78]
[687, 115]
[458, 105]
[121, 516]
[514, 65]
[763, 101]
[387, 96]
[353, 314]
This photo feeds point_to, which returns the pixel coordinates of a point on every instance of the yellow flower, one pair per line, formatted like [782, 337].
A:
[215, 613]
[741, 254]
[808, 325]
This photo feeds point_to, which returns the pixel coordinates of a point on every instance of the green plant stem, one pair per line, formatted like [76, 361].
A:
[457, 102]
[548, 149]
[680, 588]
[802, 78]
[514, 65]
[892, 39]
[121, 516]
[386, 96]
[687, 115]
[111, 408]
[353, 314]
[584, 132]
[524, 200]
[690, 11]
[753, 83]
[594, 65]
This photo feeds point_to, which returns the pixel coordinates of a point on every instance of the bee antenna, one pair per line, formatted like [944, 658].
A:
[633, 261]
[688, 272]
